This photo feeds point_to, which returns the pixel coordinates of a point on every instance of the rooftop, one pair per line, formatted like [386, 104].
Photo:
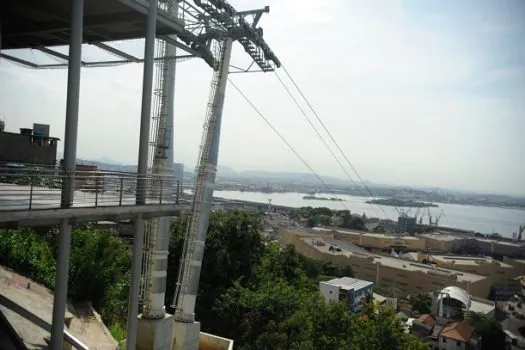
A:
[468, 260]
[348, 283]
[367, 234]
[440, 237]
[427, 319]
[323, 245]
[459, 331]
[394, 262]
[481, 306]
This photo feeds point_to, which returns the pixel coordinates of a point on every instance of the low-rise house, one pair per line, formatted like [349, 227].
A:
[442, 334]
[350, 290]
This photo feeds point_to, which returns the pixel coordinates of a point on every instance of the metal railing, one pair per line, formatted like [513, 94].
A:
[36, 188]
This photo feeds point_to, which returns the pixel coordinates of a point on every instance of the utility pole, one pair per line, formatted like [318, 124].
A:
[224, 26]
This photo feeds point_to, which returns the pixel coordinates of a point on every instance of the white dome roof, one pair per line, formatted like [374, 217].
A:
[456, 293]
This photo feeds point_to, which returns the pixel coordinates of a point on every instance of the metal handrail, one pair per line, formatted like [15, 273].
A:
[41, 188]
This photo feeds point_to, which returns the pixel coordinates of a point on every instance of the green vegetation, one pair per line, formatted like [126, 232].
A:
[98, 272]
[492, 335]
[420, 303]
[326, 217]
[260, 294]
[396, 202]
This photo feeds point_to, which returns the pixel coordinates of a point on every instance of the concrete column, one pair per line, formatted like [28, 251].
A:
[70, 153]
[145, 117]
[160, 228]
[134, 289]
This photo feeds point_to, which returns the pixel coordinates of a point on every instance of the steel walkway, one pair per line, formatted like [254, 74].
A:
[32, 196]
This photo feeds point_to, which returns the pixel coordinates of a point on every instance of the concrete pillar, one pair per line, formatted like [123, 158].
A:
[145, 117]
[70, 150]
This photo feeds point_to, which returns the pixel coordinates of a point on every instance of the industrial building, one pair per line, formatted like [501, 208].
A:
[393, 275]
[376, 240]
[33, 146]
[406, 224]
[448, 300]
[348, 290]
[447, 243]
[500, 273]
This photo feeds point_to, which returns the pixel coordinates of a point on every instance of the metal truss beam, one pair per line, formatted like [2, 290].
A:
[57, 54]
[93, 64]
[117, 52]
[18, 60]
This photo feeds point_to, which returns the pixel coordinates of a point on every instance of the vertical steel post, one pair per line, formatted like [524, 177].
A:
[208, 164]
[147, 84]
[160, 194]
[121, 190]
[178, 192]
[31, 194]
[96, 192]
[70, 152]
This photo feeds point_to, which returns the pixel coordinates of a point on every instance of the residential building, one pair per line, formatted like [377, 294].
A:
[442, 334]
[385, 301]
[458, 335]
[28, 147]
[349, 290]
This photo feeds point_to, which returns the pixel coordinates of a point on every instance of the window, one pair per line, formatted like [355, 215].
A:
[458, 343]
[444, 340]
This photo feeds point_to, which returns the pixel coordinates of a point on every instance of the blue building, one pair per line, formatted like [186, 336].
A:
[346, 289]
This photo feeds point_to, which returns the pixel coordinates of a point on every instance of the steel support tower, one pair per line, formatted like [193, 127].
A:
[225, 25]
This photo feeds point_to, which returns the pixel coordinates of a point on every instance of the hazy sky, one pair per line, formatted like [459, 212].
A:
[416, 92]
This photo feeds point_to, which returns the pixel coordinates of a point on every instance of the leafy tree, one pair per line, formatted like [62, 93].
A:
[492, 335]
[325, 220]
[311, 222]
[420, 303]
[27, 253]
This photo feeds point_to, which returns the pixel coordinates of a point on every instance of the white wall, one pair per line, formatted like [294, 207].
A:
[329, 292]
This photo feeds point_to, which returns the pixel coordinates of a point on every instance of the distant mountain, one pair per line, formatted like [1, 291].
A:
[282, 177]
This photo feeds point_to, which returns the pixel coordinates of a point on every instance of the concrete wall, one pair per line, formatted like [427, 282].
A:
[329, 292]
[449, 344]
[26, 149]
[379, 241]
[212, 342]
